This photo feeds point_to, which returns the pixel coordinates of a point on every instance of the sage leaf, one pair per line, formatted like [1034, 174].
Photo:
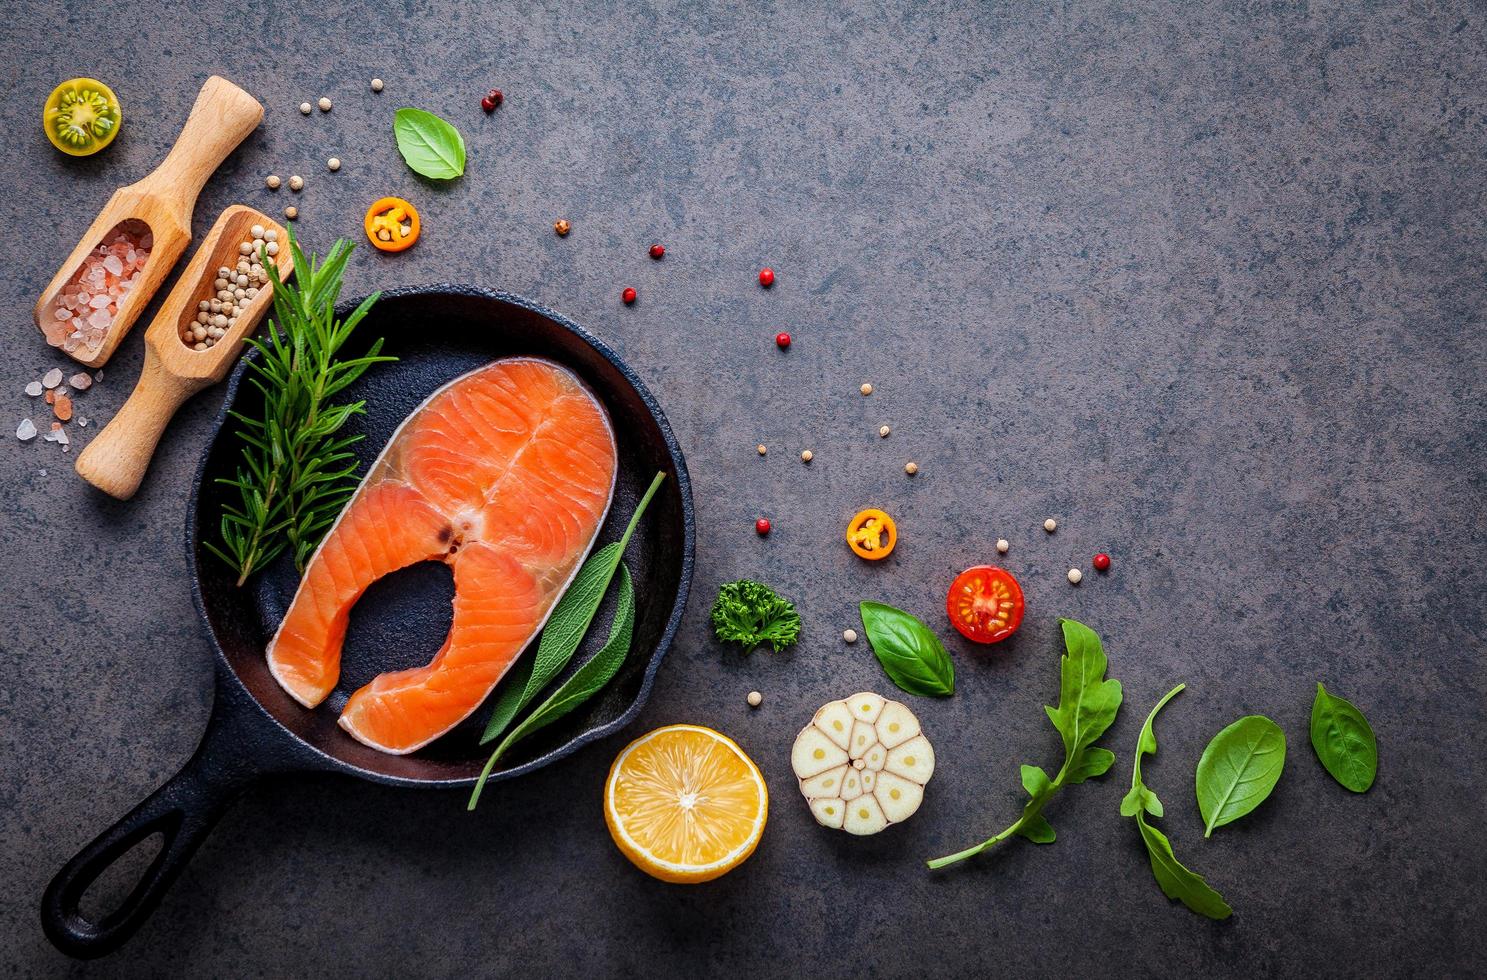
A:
[1344, 741]
[1238, 770]
[1175, 880]
[911, 654]
[566, 627]
[429, 145]
[586, 682]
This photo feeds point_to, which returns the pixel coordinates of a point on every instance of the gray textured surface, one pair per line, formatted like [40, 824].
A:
[1204, 281]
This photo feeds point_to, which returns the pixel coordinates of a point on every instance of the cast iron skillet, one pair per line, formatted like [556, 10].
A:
[438, 332]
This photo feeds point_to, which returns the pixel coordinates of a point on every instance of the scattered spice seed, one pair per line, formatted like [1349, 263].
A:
[658, 251]
[911, 468]
[866, 388]
[1050, 525]
[488, 104]
[304, 108]
[1102, 562]
[376, 85]
[782, 340]
[806, 456]
[334, 164]
[766, 277]
[849, 636]
[884, 431]
[291, 212]
[763, 449]
[628, 296]
[562, 227]
[755, 699]
[324, 104]
[1002, 545]
[273, 181]
[762, 526]
[52, 378]
[1075, 575]
[296, 183]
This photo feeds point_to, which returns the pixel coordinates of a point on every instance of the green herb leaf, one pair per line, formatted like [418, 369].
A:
[429, 145]
[296, 473]
[1176, 881]
[566, 627]
[1087, 705]
[1344, 741]
[752, 613]
[586, 682]
[569, 623]
[910, 652]
[1239, 769]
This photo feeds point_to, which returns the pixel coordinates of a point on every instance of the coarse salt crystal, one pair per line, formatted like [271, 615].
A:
[34, 389]
[26, 431]
[113, 264]
[52, 378]
[81, 381]
[99, 302]
[100, 319]
[62, 313]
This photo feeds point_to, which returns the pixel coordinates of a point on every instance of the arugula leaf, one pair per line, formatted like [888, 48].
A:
[1175, 880]
[586, 682]
[911, 654]
[1238, 770]
[429, 145]
[1087, 706]
[566, 627]
[752, 613]
[1344, 741]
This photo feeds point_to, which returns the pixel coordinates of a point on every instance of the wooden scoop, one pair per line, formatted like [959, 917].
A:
[163, 202]
[116, 460]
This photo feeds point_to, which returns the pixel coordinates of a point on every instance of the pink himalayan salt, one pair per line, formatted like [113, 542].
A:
[98, 287]
[113, 264]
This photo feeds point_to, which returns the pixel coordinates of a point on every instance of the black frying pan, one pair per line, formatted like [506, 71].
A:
[438, 332]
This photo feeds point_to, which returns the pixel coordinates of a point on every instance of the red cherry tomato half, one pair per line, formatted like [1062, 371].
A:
[985, 604]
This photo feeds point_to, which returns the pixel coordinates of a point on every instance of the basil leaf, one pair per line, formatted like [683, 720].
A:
[1239, 769]
[429, 145]
[1344, 741]
[911, 654]
[1175, 880]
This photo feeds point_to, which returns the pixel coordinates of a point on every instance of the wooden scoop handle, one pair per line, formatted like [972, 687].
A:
[222, 117]
[116, 460]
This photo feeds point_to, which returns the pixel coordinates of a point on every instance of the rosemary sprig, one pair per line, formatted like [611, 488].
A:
[296, 472]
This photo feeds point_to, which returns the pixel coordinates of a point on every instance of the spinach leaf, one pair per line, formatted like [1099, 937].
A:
[1175, 880]
[429, 145]
[1087, 705]
[1239, 769]
[586, 682]
[911, 654]
[1344, 741]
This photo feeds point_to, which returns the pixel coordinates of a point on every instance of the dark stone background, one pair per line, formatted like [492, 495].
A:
[1203, 280]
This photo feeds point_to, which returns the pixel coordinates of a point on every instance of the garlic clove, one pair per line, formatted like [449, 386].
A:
[829, 812]
[835, 719]
[863, 738]
[814, 753]
[914, 760]
[828, 783]
[865, 707]
[898, 797]
[851, 785]
[864, 816]
[896, 725]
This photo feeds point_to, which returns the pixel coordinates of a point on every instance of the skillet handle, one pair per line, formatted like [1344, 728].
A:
[183, 812]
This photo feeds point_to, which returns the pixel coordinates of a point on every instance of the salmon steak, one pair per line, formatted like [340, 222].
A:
[506, 475]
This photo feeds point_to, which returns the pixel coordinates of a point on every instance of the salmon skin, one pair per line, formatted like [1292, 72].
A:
[505, 474]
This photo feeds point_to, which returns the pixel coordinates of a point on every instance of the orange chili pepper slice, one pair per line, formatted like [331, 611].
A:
[396, 219]
[872, 534]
